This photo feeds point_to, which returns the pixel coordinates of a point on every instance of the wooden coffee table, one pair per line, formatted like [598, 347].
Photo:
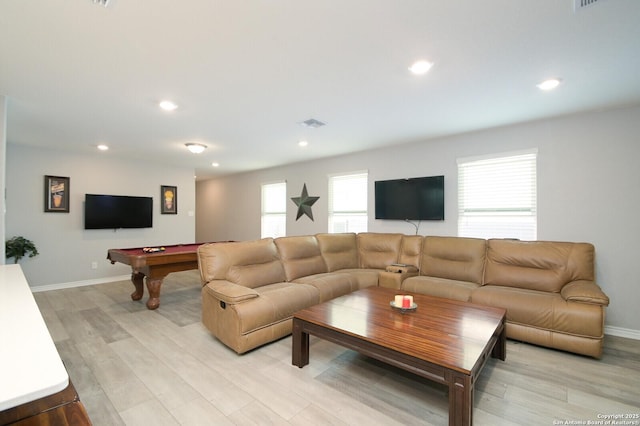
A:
[446, 341]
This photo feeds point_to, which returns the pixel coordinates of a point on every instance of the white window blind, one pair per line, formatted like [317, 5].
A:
[274, 210]
[497, 197]
[348, 203]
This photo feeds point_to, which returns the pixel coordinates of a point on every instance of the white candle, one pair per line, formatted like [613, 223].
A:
[398, 300]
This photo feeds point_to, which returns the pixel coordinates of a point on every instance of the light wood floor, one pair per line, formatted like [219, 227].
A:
[133, 366]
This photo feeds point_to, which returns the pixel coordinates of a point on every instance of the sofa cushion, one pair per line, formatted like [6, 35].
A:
[543, 310]
[363, 278]
[538, 265]
[377, 251]
[249, 263]
[330, 285]
[300, 256]
[275, 303]
[440, 287]
[410, 250]
[454, 258]
[339, 251]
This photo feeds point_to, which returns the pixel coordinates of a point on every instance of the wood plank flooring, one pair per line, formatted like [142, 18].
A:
[132, 366]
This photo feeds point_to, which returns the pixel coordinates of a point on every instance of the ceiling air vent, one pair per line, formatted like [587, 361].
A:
[581, 4]
[104, 3]
[313, 123]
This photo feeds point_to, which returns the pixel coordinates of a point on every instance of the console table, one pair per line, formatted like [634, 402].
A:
[35, 383]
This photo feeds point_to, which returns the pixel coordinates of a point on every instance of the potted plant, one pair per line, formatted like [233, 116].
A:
[19, 247]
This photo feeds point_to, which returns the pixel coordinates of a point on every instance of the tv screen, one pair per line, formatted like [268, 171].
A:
[117, 211]
[410, 199]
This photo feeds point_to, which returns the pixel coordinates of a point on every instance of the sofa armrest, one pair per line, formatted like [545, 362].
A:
[229, 292]
[585, 292]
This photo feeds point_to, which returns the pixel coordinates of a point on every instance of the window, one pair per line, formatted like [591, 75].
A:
[274, 210]
[348, 203]
[497, 196]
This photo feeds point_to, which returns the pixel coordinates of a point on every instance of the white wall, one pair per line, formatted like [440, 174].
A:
[66, 248]
[3, 177]
[588, 190]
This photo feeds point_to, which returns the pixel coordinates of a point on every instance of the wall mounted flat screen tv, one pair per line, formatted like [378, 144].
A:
[117, 211]
[410, 199]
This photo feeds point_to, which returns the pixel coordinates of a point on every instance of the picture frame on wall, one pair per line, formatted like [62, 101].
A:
[56, 194]
[169, 199]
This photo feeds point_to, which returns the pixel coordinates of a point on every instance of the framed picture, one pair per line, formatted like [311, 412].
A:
[169, 199]
[56, 194]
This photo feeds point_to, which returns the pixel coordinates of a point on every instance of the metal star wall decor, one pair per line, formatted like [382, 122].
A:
[304, 203]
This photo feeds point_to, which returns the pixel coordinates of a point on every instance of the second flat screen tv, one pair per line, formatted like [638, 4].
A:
[410, 199]
[117, 211]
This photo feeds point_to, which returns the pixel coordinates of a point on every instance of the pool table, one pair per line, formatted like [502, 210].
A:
[155, 266]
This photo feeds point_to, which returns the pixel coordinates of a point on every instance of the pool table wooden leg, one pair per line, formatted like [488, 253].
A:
[138, 282]
[153, 285]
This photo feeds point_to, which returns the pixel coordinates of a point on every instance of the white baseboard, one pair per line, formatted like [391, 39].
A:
[622, 332]
[613, 331]
[83, 283]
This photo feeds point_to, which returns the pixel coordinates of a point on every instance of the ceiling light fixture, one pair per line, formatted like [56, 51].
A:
[103, 147]
[550, 84]
[196, 148]
[215, 164]
[420, 67]
[168, 106]
[303, 143]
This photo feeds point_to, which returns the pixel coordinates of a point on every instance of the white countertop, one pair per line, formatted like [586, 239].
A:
[30, 366]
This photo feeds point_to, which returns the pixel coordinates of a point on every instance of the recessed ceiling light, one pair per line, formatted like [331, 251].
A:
[215, 164]
[550, 84]
[420, 67]
[303, 143]
[103, 147]
[168, 105]
[196, 148]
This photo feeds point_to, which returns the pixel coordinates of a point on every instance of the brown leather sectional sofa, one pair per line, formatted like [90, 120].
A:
[251, 289]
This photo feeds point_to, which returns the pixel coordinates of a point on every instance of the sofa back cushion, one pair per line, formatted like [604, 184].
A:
[248, 263]
[339, 251]
[410, 250]
[300, 256]
[538, 265]
[454, 258]
[377, 250]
